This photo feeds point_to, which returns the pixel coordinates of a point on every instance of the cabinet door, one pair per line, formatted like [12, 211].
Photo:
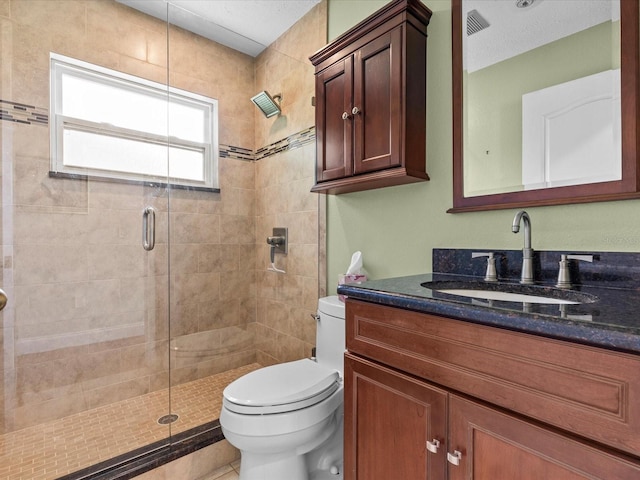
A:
[389, 418]
[334, 122]
[497, 446]
[379, 103]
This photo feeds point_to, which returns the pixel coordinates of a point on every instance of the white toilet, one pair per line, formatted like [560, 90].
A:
[286, 419]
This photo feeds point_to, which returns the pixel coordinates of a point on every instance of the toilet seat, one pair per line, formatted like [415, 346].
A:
[281, 388]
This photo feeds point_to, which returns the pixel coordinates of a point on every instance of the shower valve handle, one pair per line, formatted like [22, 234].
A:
[275, 240]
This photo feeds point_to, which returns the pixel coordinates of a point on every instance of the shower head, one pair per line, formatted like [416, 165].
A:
[267, 104]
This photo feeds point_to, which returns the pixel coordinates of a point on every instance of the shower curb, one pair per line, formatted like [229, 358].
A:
[141, 460]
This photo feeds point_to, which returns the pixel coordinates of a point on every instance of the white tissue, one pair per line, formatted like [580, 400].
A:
[356, 264]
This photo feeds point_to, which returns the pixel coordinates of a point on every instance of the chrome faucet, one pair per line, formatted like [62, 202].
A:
[526, 277]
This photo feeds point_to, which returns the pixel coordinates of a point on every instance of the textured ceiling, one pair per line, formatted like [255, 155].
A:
[513, 30]
[245, 25]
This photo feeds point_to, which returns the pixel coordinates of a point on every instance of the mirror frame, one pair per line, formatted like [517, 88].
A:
[626, 188]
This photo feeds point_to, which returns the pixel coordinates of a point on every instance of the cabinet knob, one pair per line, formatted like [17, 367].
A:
[355, 110]
[345, 116]
[455, 457]
[433, 445]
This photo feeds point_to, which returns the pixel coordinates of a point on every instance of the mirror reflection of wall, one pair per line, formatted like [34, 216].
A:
[510, 52]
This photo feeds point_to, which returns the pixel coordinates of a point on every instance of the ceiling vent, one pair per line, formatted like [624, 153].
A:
[475, 22]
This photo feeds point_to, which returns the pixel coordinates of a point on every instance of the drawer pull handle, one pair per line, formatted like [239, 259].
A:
[356, 111]
[433, 445]
[454, 458]
[346, 116]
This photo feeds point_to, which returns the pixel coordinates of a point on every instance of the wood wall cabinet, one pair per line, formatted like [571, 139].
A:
[371, 102]
[428, 397]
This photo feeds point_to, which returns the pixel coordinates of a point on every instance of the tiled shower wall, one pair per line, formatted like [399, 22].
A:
[72, 260]
[285, 327]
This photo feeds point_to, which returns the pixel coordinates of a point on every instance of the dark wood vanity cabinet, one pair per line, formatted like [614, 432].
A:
[391, 418]
[494, 445]
[429, 397]
[371, 102]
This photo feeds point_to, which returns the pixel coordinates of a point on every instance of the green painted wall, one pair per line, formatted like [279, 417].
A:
[397, 227]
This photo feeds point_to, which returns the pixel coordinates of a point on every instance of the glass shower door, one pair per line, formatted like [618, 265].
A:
[85, 233]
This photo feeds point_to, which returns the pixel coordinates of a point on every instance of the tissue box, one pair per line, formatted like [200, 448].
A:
[350, 278]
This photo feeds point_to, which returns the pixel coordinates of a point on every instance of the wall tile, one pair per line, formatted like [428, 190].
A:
[115, 261]
[184, 319]
[115, 393]
[63, 16]
[118, 196]
[49, 264]
[5, 8]
[185, 258]
[237, 229]
[283, 198]
[57, 407]
[216, 313]
[194, 288]
[209, 462]
[303, 260]
[237, 173]
[78, 262]
[108, 226]
[140, 68]
[28, 142]
[195, 228]
[37, 189]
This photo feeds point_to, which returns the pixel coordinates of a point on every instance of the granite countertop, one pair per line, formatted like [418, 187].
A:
[611, 320]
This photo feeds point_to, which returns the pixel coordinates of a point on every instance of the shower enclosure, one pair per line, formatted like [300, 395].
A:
[128, 293]
[137, 289]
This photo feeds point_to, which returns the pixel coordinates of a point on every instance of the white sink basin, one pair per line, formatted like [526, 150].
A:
[506, 296]
[510, 292]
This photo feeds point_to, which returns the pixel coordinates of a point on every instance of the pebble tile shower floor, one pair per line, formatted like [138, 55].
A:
[60, 447]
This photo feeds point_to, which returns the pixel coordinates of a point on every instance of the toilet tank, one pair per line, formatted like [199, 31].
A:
[330, 333]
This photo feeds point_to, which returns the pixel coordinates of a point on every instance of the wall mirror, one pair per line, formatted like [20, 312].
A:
[545, 102]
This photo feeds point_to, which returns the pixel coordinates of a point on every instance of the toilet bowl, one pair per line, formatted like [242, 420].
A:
[287, 419]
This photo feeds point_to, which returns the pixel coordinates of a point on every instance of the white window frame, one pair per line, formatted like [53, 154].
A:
[60, 123]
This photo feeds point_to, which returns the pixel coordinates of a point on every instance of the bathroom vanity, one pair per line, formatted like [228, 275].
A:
[440, 386]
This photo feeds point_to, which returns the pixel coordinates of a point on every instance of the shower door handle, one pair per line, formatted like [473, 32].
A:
[148, 228]
[3, 299]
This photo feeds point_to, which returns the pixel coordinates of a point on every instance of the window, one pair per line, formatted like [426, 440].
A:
[113, 125]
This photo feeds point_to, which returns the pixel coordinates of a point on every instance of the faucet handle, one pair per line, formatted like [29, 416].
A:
[564, 275]
[490, 275]
[583, 258]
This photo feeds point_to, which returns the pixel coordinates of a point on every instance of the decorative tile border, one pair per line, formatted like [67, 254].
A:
[22, 113]
[296, 140]
[238, 153]
[30, 115]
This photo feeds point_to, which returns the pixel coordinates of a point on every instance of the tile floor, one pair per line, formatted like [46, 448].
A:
[53, 449]
[228, 472]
